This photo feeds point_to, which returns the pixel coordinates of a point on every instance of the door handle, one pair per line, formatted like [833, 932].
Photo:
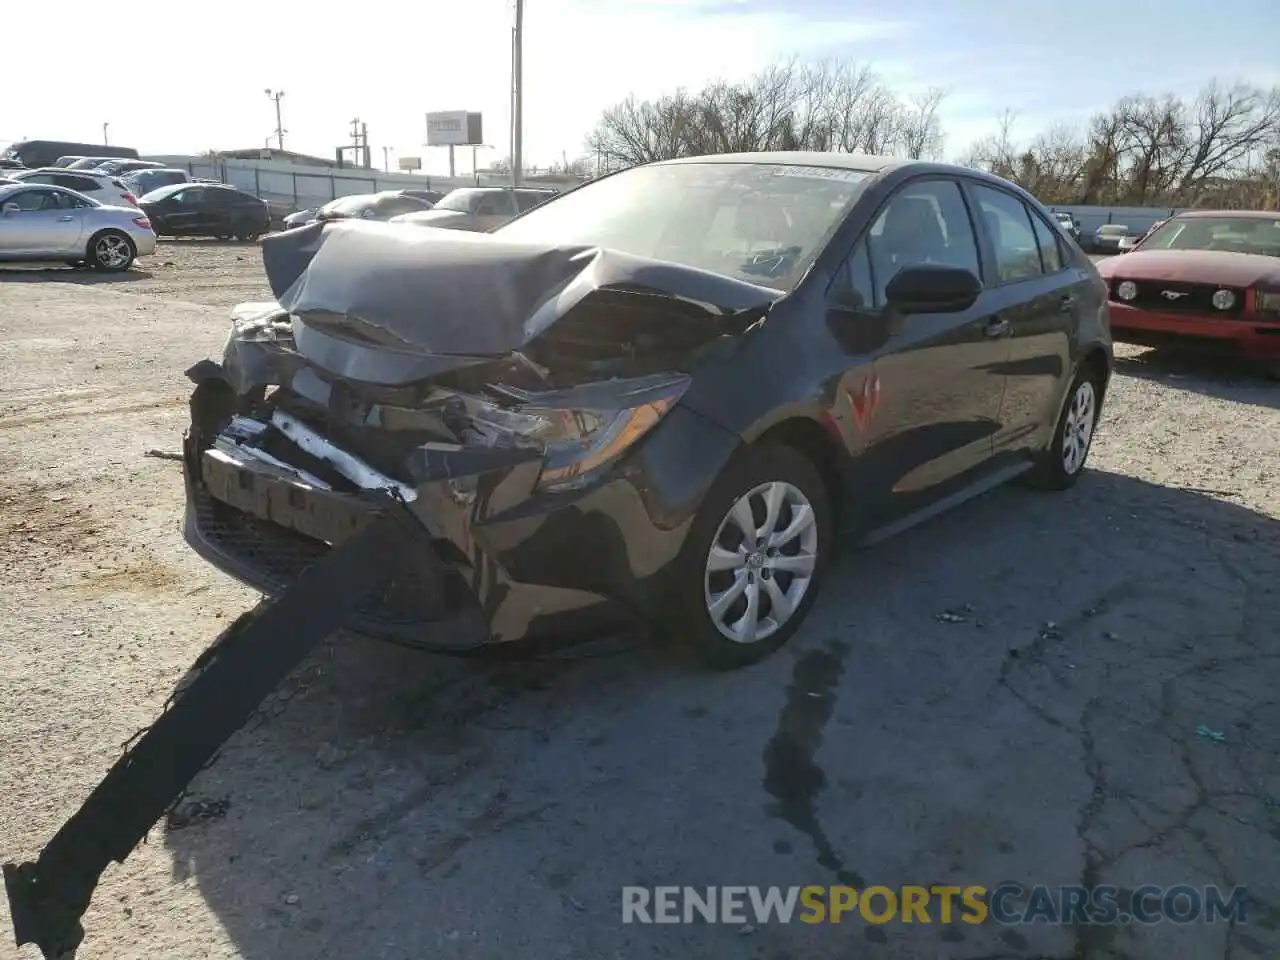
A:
[996, 327]
[67, 219]
[1067, 303]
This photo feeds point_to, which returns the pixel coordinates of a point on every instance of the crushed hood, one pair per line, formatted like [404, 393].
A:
[453, 293]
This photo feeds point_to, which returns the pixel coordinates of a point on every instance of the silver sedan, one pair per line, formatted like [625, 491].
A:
[40, 222]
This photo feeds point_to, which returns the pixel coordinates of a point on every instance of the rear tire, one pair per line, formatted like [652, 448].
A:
[1063, 463]
[110, 251]
[729, 590]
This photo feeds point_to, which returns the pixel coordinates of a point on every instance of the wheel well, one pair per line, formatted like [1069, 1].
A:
[809, 438]
[1096, 360]
[116, 230]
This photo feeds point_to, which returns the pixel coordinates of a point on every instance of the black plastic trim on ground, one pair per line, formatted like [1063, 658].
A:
[48, 897]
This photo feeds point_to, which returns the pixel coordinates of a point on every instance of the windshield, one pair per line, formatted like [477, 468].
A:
[350, 206]
[159, 193]
[1259, 235]
[457, 200]
[759, 222]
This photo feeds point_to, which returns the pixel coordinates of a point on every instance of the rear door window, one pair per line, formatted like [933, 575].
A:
[1008, 222]
[527, 201]
[493, 205]
[1049, 243]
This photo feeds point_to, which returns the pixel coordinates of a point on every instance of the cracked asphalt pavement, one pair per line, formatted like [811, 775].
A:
[1036, 688]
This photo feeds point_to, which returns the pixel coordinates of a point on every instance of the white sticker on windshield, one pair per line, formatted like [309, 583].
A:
[820, 173]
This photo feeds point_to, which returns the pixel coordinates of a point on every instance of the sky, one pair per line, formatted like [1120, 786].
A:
[391, 62]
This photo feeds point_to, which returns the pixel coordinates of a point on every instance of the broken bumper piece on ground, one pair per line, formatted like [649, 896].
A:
[48, 897]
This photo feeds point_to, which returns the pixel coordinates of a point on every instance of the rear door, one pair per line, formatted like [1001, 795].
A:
[1037, 291]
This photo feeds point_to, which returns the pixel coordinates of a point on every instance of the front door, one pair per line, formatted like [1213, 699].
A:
[1039, 294]
[47, 223]
[185, 212]
[932, 405]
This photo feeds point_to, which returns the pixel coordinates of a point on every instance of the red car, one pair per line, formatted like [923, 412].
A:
[1207, 277]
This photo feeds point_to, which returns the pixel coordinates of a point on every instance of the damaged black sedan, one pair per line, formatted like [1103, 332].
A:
[660, 395]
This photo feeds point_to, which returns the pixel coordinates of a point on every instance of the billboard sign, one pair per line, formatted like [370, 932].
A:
[410, 163]
[454, 128]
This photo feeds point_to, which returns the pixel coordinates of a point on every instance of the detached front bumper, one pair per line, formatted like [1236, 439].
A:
[1249, 338]
[497, 562]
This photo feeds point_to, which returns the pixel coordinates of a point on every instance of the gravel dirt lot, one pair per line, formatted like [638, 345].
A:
[387, 804]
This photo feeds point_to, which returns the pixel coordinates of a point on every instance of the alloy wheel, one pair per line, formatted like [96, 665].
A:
[112, 252]
[761, 562]
[1077, 432]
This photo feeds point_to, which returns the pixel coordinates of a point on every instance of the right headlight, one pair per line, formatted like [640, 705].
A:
[584, 430]
[1126, 290]
[584, 441]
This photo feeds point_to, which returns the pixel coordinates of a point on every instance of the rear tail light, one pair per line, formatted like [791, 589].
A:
[143, 222]
[130, 198]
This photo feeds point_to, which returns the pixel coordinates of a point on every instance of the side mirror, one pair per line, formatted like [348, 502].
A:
[932, 288]
[11, 208]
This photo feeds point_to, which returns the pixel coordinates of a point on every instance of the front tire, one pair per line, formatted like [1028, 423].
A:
[1063, 463]
[754, 559]
[110, 251]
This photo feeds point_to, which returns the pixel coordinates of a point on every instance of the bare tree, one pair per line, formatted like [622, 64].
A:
[828, 105]
[919, 129]
[1150, 150]
[1230, 126]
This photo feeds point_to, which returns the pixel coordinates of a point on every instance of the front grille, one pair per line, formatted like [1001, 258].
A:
[424, 592]
[1193, 299]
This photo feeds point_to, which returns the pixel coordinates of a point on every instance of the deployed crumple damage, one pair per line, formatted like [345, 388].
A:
[456, 373]
[453, 337]
[457, 294]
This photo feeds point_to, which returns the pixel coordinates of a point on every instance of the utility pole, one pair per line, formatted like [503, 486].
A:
[105, 142]
[276, 95]
[517, 95]
[386, 161]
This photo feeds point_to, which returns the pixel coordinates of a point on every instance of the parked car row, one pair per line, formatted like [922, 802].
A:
[466, 208]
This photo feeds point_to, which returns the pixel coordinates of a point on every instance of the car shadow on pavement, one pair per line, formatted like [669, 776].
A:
[1223, 377]
[1040, 688]
[45, 274]
[208, 242]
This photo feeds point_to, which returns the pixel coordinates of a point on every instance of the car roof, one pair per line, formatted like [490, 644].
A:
[803, 158]
[75, 173]
[1234, 214]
